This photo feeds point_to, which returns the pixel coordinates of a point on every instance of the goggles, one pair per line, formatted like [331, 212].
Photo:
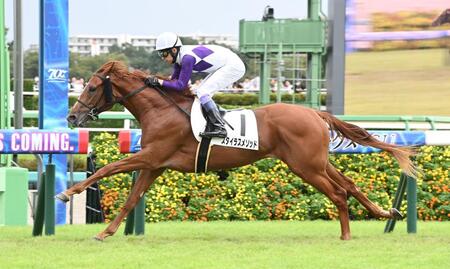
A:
[163, 53]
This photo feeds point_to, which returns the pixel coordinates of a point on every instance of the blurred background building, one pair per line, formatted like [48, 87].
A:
[98, 44]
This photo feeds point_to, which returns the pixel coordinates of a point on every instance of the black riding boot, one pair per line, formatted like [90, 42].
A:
[214, 121]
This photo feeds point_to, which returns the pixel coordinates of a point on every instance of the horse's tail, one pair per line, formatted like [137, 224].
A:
[362, 137]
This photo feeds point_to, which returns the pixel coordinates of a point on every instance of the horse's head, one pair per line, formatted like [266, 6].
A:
[96, 97]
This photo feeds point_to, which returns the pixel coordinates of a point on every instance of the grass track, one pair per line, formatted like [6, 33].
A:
[231, 245]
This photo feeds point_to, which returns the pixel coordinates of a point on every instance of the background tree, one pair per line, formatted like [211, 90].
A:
[30, 64]
[84, 66]
[139, 58]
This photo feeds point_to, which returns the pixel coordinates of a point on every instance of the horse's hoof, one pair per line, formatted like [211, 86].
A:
[396, 214]
[97, 238]
[345, 237]
[62, 197]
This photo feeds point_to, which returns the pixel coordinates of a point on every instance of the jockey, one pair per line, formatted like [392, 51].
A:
[222, 65]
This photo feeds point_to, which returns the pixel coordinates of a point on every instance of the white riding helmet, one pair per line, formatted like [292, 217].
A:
[167, 40]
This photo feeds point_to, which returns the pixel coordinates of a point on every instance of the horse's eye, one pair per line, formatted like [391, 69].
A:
[92, 89]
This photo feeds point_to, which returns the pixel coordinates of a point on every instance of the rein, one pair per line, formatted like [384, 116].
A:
[164, 94]
[107, 92]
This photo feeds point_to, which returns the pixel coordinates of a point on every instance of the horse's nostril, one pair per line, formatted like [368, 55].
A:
[72, 118]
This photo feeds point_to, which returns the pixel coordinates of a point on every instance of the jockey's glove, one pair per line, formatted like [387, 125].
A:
[152, 81]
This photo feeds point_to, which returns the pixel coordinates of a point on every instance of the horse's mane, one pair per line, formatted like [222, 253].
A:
[120, 69]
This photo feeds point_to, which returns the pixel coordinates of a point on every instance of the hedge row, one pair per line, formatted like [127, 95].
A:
[27, 84]
[267, 190]
[252, 99]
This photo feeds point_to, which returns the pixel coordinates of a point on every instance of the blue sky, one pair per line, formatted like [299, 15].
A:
[145, 17]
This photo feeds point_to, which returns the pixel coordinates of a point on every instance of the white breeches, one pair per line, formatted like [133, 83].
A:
[222, 78]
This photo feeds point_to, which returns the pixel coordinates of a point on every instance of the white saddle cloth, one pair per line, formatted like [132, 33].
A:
[243, 121]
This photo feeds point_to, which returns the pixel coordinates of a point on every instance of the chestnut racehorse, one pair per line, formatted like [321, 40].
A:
[297, 135]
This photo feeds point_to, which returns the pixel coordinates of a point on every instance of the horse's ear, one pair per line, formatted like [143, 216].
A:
[111, 68]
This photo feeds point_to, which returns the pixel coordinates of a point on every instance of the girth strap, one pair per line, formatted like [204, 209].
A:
[202, 155]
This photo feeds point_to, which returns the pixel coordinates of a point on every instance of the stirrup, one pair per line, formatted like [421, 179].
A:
[214, 133]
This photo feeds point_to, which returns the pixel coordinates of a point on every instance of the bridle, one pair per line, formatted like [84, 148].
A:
[111, 101]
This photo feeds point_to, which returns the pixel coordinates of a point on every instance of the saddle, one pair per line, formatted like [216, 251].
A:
[241, 126]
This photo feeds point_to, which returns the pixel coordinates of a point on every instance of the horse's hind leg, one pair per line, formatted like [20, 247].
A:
[319, 179]
[353, 190]
[143, 182]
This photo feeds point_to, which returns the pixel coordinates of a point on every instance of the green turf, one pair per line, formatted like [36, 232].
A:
[231, 245]
[410, 82]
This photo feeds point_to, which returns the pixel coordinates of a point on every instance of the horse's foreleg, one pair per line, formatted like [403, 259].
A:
[145, 179]
[132, 163]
